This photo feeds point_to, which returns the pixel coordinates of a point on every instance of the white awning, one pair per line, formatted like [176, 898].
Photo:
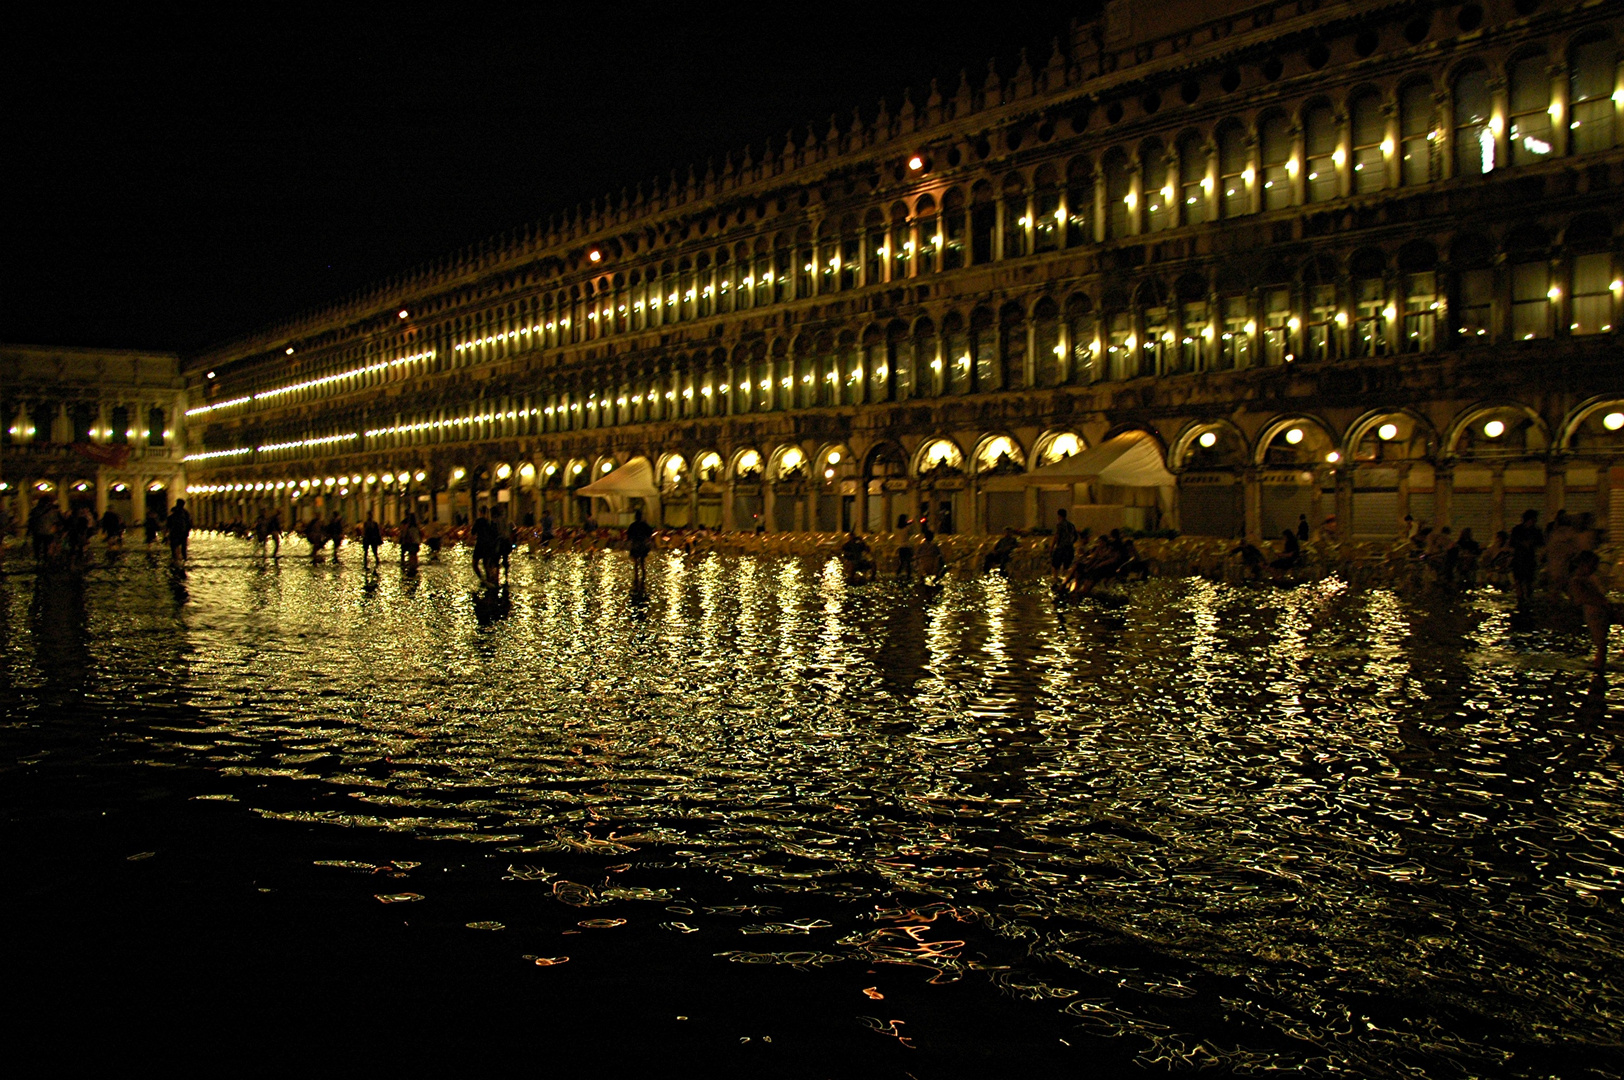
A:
[633, 480]
[1131, 459]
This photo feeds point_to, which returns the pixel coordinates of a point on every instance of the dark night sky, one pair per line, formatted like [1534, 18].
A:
[170, 184]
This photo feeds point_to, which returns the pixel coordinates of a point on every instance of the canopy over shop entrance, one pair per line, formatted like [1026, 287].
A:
[633, 480]
[1130, 460]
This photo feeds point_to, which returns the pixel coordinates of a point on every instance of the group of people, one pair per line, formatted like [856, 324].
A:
[62, 538]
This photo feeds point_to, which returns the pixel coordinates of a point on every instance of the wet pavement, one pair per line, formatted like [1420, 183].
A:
[780, 826]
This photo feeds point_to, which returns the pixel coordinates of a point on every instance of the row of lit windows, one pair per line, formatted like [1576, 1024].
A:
[87, 424]
[1364, 317]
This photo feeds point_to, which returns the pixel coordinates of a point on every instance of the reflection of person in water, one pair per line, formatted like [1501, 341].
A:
[492, 604]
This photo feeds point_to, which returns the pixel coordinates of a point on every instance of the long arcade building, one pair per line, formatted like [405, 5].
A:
[1342, 257]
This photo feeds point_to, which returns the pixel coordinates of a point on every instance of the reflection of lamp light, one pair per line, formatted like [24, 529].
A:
[608, 465]
[1613, 421]
[372, 478]
[528, 471]
[1209, 439]
[1387, 432]
[1494, 429]
[503, 471]
[1294, 436]
[828, 474]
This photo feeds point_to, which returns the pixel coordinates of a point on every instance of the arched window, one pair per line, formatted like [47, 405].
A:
[983, 221]
[726, 282]
[1118, 196]
[828, 258]
[875, 253]
[899, 378]
[1047, 352]
[1017, 225]
[1083, 335]
[851, 253]
[1195, 329]
[1232, 170]
[1012, 347]
[1418, 265]
[1474, 138]
[1319, 290]
[1046, 210]
[1369, 143]
[1473, 304]
[806, 375]
[1418, 122]
[155, 428]
[930, 241]
[761, 275]
[1276, 147]
[1319, 142]
[1121, 347]
[781, 383]
[927, 361]
[955, 229]
[1193, 179]
[1235, 338]
[956, 376]
[782, 274]
[1155, 352]
[806, 258]
[984, 351]
[1157, 186]
[1530, 95]
[1278, 325]
[704, 288]
[1592, 78]
[1079, 201]
[1370, 304]
[1530, 299]
[828, 371]
[901, 243]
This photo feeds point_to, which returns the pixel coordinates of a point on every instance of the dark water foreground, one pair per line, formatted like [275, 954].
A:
[291, 815]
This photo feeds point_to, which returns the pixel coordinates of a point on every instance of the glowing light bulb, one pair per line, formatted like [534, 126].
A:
[1208, 439]
[1387, 432]
[1613, 421]
[1294, 436]
[1494, 429]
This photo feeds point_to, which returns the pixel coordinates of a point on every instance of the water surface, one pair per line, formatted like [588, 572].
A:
[1318, 831]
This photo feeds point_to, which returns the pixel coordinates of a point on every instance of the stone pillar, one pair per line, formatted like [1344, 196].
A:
[1403, 491]
[1443, 486]
[101, 491]
[1032, 513]
[859, 508]
[138, 500]
[1252, 505]
[1556, 489]
[769, 505]
[1497, 498]
[1344, 504]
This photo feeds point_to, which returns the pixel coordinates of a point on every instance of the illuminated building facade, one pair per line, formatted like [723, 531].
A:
[1354, 258]
[91, 427]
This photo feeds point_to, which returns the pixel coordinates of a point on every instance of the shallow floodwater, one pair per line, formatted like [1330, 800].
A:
[1318, 831]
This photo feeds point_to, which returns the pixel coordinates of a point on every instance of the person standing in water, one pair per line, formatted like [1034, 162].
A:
[1526, 540]
[483, 533]
[371, 542]
[639, 542]
[112, 529]
[411, 539]
[1062, 546]
[179, 528]
[1591, 597]
[335, 532]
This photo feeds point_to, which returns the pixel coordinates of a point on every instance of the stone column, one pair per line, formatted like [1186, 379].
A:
[769, 505]
[1252, 504]
[1403, 491]
[1497, 498]
[1344, 504]
[1033, 516]
[1556, 489]
[101, 490]
[1443, 492]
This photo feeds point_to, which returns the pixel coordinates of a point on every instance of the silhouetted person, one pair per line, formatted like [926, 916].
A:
[1588, 593]
[112, 529]
[639, 541]
[1302, 528]
[371, 541]
[179, 528]
[335, 532]
[1062, 546]
[484, 537]
[1526, 540]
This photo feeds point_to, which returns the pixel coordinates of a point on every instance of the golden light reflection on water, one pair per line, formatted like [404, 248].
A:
[1318, 830]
